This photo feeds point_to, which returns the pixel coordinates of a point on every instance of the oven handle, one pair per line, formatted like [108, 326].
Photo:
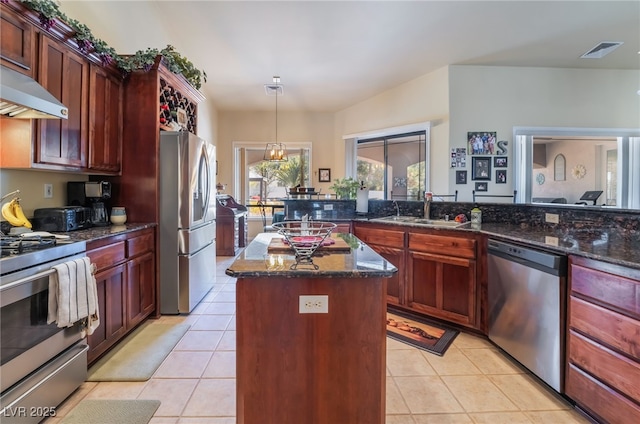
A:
[28, 279]
[36, 277]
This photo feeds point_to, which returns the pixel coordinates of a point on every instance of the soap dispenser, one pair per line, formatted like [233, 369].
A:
[476, 215]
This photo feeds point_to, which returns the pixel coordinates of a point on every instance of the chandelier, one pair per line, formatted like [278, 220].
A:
[275, 152]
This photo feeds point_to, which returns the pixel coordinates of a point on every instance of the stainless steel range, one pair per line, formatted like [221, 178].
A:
[40, 364]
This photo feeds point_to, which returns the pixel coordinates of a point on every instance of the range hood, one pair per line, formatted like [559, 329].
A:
[22, 97]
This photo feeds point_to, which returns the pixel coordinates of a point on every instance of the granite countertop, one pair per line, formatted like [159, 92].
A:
[97, 233]
[594, 243]
[359, 262]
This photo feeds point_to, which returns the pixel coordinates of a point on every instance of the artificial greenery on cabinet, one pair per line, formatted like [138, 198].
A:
[49, 13]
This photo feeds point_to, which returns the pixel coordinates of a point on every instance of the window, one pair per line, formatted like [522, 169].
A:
[393, 166]
[269, 182]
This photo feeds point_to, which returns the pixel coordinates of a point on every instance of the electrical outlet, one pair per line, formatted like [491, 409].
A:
[318, 304]
[552, 218]
[48, 191]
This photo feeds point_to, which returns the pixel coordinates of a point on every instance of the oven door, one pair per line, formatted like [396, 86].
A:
[27, 342]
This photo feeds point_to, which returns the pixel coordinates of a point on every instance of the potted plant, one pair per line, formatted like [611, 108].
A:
[345, 188]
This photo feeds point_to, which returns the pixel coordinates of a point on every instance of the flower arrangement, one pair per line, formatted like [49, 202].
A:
[49, 12]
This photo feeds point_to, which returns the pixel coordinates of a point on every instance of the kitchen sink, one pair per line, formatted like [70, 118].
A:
[421, 221]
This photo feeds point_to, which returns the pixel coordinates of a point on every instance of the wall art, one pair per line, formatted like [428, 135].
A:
[480, 168]
[501, 176]
[461, 177]
[482, 142]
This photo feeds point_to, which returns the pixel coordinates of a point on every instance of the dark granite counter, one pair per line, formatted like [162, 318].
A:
[360, 262]
[591, 242]
[97, 233]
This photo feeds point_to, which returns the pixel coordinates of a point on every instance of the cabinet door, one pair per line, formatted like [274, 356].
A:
[141, 288]
[105, 120]
[64, 74]
[395, 284]
[111, 294]
[442, 286]
[16, 42]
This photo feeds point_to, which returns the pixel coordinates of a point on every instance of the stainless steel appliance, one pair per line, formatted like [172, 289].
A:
[92, 194]
[65, 218]
[40, 364]
[22, 97]
[187, 221]
[527, 291]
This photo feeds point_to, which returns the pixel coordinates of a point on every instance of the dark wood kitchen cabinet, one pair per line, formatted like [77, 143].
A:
[126, 283]
[17, 42]
[603, 340]
[141, 288]
[390, 244]
[65, 74]
[105, 120]
[438, 274]
[441, 277]
[111, 277]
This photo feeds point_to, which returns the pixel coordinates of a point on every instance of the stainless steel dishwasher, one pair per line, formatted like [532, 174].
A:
[527, 292]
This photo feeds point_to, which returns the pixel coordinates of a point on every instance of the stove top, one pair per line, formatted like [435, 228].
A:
[34, 254]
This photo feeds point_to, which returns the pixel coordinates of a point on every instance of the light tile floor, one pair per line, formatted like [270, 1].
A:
[472, 383]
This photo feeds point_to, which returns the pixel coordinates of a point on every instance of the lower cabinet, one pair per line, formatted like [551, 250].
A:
[437, 270]
[126, 284]
[603, 342]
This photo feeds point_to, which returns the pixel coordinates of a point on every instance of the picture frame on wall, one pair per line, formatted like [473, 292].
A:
[482, 142]
[461, 177]
[500, 162]
[324, 175]
[501, 176]
[480, 168]
[482, 186]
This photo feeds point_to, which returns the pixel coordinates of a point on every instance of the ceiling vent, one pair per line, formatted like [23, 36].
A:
[601, 50]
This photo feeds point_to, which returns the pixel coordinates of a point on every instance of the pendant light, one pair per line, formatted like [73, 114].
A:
[275, 152]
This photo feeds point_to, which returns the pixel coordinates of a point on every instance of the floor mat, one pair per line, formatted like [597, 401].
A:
[419, 332]
[140, 354]
[111, 411]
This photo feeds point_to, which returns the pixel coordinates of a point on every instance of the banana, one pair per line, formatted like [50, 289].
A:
[7, 213]
[19, 213]
[12, 212]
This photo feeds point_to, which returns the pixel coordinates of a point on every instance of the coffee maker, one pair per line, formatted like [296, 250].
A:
[92, 194]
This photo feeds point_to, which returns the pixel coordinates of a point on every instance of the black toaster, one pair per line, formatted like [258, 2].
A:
[65, 218]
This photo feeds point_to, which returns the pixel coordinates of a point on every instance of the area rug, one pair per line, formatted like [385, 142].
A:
[419, 332]
[111, 411]
[140, 354]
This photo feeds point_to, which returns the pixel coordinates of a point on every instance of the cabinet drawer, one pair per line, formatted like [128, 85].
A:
[107, 256]
[608, 327]
[443, 245]
[140, 244]
[596, 397]
[617, 371]
[381, 237]
[620, 292]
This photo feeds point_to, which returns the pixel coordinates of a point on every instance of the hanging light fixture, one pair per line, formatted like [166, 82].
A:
[275, 152]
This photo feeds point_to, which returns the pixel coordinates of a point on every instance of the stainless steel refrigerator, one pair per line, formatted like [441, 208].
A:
[187, 221]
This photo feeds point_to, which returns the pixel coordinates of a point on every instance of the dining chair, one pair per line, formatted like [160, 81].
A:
[263, 214]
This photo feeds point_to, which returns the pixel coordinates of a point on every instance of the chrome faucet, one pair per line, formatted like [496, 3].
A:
[428, 197]
[395, 205]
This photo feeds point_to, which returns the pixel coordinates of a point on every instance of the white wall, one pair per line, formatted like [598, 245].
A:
[259, 127]
[500, 98]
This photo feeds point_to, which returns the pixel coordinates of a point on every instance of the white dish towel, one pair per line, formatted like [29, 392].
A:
[73, 295]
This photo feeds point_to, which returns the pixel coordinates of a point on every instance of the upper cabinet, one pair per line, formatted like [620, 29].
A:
[17, 46]
[64, 74]
[90, 140]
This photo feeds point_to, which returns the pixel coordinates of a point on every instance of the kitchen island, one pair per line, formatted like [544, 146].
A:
[318, 359]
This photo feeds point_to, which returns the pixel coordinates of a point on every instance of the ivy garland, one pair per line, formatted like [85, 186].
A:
[142, 59]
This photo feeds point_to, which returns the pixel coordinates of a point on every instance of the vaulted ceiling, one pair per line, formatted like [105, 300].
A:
[333, 54]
